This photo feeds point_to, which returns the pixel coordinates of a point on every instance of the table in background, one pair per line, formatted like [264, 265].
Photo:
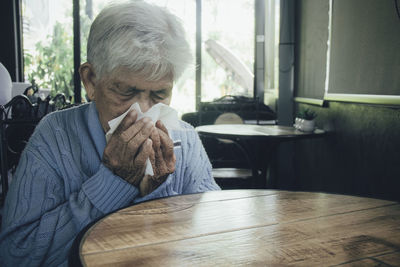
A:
[260, 142]
[247, 227]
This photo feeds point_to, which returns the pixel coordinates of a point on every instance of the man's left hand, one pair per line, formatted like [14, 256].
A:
[162, 159]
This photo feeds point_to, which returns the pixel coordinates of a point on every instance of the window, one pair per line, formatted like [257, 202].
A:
[227, 48]
[271, 52]
[48, 44]
[227, 44]
[183, 98]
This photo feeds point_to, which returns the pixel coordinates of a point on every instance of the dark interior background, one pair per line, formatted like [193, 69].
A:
[362, 156]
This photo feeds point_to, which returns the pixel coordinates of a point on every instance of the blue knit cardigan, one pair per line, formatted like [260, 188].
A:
[61, 185]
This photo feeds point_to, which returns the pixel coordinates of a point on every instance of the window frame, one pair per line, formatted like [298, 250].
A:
[259, 50]
[259, 46]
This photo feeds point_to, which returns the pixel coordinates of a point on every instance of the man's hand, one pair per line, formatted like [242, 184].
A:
[129, 147]
[162, 158]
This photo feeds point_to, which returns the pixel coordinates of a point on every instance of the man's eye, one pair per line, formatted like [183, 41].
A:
[159, 96]
[129, 93]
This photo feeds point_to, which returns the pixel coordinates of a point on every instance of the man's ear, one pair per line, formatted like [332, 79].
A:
[88, 78]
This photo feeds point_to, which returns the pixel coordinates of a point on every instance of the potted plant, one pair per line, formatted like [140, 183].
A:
[305, 120]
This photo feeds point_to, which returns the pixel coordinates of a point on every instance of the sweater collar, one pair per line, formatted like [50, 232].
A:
[96, 130]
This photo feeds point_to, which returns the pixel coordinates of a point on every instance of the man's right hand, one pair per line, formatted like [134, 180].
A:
[129, 147]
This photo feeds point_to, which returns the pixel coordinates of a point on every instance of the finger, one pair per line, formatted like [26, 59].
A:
[147, 185]
[160, 165]
[139, 139]
[161, 126]
[144, 186]
[129, 119]
[142, 156]
[163, 167]
[113, 154]
[136, 176]
[167, 145]
[167, 148]
[152, 158]
[155, 137]
[160, 179]
[142, 127]
[166, 160]
[139, 162]
[166, 141]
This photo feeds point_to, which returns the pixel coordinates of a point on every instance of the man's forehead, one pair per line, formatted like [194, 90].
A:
[125, 74]
[123, 81]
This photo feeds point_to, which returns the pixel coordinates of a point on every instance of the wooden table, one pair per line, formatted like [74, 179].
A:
[247, 227]
[260, 132]
[260, 143]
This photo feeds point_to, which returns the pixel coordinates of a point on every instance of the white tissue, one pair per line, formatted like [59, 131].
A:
[167, 115]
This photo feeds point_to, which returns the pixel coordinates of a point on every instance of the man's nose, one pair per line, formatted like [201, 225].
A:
[145, 105]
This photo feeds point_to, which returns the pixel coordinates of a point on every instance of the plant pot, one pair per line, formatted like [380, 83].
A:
[307, 125]
[297, 123]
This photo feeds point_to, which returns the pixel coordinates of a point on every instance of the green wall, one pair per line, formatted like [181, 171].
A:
[361, 155]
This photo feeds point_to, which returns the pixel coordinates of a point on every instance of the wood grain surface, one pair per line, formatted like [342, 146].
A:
[256, 131]
[248, 227]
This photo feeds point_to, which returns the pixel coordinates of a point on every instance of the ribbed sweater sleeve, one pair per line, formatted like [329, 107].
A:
[61, 185]
[193, 169]
[197, 166]
[50, 200]
[108, 192]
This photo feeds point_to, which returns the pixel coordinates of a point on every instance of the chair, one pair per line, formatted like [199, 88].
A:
[18, 120]
[231, 164]
[5, 85]
[249, 109]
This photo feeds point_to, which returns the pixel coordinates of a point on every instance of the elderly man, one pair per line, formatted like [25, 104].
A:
[69, 175]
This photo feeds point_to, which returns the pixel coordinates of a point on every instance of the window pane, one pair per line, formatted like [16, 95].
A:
[271, 74]
[48, 44]
[227, 48]
[183, 99]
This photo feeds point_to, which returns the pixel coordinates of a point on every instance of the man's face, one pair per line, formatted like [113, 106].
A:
[117, 92]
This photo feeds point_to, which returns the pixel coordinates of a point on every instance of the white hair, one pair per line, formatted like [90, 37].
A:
[146, 39]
